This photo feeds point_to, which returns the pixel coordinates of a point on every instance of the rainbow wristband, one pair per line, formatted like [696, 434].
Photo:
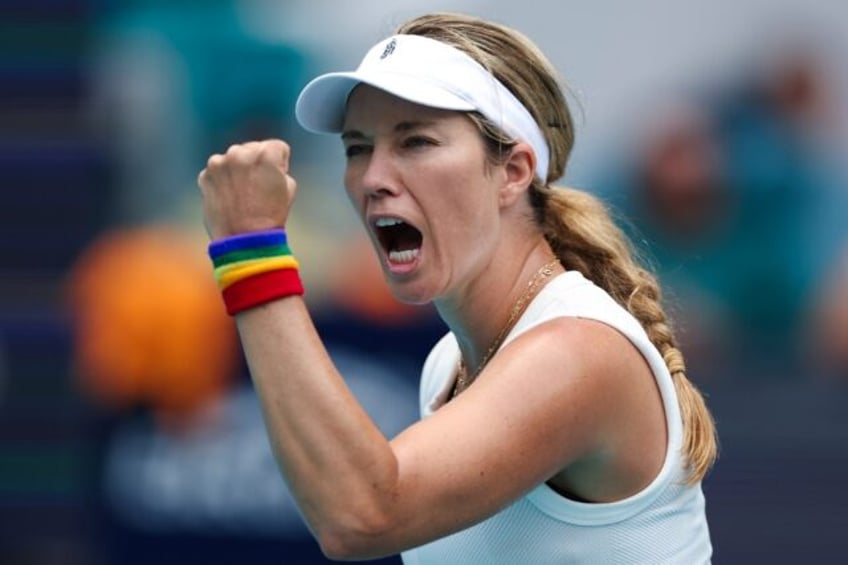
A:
[254, 268]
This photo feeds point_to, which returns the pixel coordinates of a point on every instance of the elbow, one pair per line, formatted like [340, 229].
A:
[336, 548]
[364, 538]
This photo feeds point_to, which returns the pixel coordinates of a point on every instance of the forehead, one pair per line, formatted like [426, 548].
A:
[369, 107]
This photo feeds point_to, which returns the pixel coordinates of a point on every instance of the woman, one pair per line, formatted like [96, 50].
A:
[559, 425]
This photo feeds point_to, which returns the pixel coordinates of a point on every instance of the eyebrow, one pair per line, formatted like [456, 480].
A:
[400, 127]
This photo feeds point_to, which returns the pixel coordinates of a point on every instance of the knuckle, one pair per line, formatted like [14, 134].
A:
[276, 149]
[280, 145]
[216, 161]
[242, 154]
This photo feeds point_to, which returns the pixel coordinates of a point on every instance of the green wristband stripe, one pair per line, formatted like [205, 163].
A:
[255, 253]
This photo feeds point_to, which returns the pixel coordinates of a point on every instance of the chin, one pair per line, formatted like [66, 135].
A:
[408, 293]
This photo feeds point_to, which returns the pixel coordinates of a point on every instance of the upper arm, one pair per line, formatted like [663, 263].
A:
[555, 394]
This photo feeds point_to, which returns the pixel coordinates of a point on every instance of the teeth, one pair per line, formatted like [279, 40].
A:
[384, 222]
[407, 256]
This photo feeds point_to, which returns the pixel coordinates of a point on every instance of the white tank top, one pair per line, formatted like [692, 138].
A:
[664, 523]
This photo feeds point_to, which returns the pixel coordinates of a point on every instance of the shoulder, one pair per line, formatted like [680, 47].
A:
[576, 329]
[579, 369]
[574, 316]
[596, 382]
[586, 366]
[573, 319]
[575, 348]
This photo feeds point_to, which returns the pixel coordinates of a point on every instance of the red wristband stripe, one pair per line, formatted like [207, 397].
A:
[261, 288]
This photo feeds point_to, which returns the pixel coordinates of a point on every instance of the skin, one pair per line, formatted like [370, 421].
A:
[570, 402]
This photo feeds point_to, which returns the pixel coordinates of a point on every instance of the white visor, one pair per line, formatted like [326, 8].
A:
[426, 72]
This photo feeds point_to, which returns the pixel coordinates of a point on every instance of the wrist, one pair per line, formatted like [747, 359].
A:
[254, 268]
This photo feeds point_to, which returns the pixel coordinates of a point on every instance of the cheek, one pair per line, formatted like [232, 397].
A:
[348, 180]
[466, 193]
[463, 217]
[352, 189]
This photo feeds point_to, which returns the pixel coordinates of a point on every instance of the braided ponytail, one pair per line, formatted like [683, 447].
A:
[584, 237]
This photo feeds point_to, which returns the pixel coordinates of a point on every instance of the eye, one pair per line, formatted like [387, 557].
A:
[356, 149]
[417, 141]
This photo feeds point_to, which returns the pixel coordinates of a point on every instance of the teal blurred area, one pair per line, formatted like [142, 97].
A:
[717, 133]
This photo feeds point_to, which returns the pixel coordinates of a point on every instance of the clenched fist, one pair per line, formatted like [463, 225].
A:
[247, 189]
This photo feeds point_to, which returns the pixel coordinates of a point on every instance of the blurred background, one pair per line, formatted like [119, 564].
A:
[129, 432]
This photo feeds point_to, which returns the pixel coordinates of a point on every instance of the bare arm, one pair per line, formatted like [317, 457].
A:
[364, 496]
[558, 393]
[340, 468]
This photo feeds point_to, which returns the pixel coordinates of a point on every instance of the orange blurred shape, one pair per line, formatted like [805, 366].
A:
[150, 325]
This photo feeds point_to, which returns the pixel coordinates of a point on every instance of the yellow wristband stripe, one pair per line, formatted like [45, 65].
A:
[234, 272]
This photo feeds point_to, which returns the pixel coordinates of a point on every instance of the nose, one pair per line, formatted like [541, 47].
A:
[380, 175]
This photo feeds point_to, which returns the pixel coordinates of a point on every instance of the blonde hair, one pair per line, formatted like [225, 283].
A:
[577, 225]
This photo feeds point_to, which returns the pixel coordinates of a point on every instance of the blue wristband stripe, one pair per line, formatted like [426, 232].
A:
[246, 241]
[245, 254]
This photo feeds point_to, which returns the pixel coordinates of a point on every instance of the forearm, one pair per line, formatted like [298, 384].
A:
[339, 466]
[340, 469]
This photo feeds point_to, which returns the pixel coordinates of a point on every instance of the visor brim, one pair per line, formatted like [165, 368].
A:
[322, 104]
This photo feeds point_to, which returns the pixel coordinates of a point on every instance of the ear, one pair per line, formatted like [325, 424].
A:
[519, 169]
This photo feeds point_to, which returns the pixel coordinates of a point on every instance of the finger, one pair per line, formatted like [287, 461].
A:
[216, 167]
[202, 180]
[242, 154]
[215, 162]
[291, 185]
[276, 151]
[249, 153]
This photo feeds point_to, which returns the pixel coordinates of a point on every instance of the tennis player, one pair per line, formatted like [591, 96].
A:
[558, 424]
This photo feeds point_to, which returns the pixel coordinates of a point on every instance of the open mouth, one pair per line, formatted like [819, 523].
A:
[401, 241]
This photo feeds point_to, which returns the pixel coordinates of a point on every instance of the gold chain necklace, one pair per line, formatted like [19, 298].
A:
[463, 378]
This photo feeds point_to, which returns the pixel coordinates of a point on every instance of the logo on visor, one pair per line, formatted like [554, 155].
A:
[390, 48]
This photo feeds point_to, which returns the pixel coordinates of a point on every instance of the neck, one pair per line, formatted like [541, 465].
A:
[480, 312]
